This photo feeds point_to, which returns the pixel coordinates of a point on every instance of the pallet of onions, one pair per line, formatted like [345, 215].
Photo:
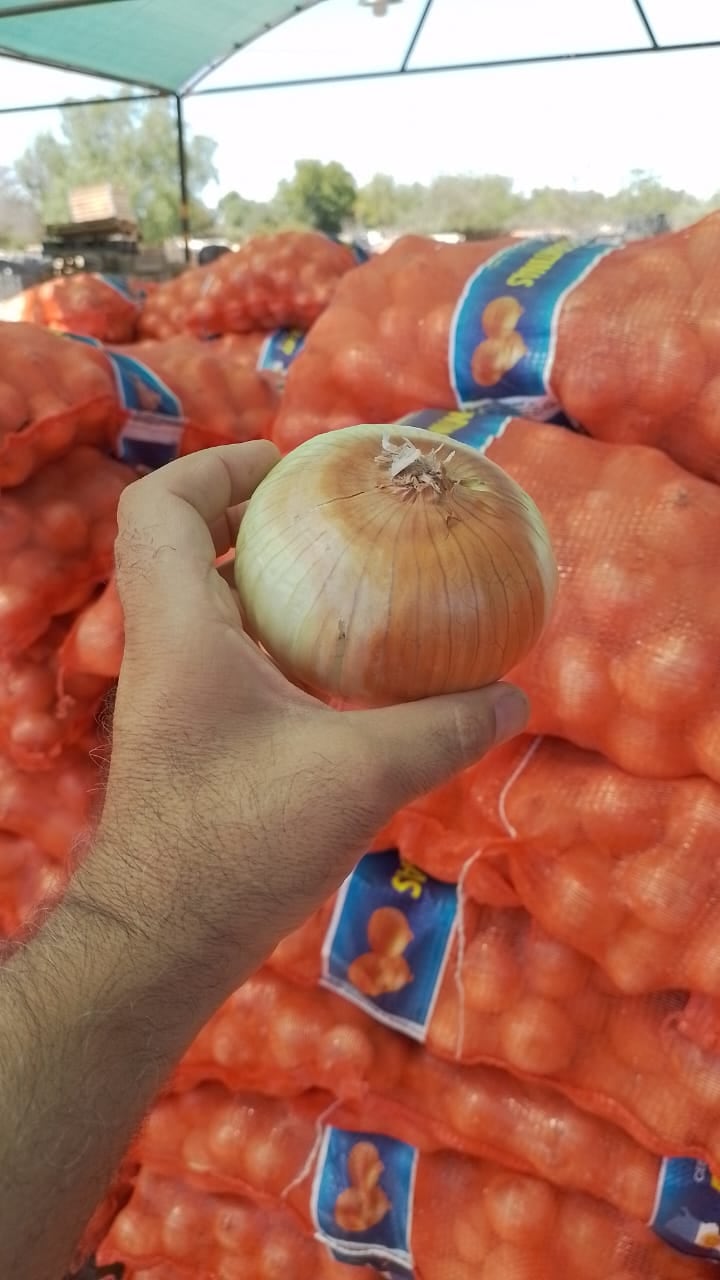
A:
[376, 565]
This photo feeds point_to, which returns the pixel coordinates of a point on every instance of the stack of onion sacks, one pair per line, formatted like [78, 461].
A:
[380, 564]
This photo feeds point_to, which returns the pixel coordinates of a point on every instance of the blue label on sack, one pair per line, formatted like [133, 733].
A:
[358, 251]
[362, 1200]
[477, 427]
[474, 427]
[687, 1208]
[504, 331]
[152, 433]
[278, 352]
[122, 287]
[388, 941]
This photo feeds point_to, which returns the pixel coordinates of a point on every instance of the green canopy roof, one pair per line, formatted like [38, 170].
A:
[158, 44]
[170, 46]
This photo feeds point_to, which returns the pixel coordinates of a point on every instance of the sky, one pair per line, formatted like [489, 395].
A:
[575, 124]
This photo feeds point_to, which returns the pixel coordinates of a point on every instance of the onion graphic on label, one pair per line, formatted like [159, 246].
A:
[363, 1204]
[383, 969]
[503, 347]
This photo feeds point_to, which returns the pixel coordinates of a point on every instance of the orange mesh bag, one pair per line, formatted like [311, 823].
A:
[38, 719]
[94, 645]
[51, 808]
[85, 1265]
[274, 1038]
[27, 876]
[57, 534]
[54, 394]
[268, 354]
[628, 662]
[281, 280]
[620, 867]
[487, 985]
[201, 1235]
[381, 349]
[379, 1200]
[103, 307]
[627, 342]
[213, 396]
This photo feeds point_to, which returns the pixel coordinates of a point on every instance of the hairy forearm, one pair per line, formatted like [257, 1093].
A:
[94, 1012]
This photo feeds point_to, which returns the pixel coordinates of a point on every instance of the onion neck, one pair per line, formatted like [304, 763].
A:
[412, 471]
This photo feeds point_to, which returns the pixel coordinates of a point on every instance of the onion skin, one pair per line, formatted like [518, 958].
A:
[374, 590]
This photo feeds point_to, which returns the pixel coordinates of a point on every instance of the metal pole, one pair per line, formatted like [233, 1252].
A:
[182, 170]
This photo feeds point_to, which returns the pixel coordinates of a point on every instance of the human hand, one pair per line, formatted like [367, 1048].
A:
[235, 801]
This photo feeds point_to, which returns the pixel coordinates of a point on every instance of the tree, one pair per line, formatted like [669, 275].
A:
[383, 202]
[132, 144]
[556, 209]
[469, 205]
[19, 222]
[237, 216]
[645, 202]
[319, 195]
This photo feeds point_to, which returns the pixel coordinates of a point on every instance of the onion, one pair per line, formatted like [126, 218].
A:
[380, 564]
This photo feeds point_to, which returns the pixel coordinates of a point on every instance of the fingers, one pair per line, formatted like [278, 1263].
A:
[225, 529]
[422, 744]
[173, 523]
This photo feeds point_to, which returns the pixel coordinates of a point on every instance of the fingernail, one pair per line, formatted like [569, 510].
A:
[511, 714]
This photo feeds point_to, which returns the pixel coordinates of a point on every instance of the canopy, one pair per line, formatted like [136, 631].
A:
[165, 45]
[179, 47]
[170, 46]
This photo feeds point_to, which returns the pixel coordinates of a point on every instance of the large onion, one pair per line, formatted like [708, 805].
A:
[382, 564]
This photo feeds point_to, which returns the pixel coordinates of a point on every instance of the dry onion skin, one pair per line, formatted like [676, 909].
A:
[381, 564]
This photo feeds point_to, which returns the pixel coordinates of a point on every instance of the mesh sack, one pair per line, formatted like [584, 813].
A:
[627, 664]
[268, 354]
[172, 1229]
[95, 642]
[103, 307]
[53, 394]
[628, 342]
[481, 984]
[620, 867]
[51, 808]
[380, 350]
[86, 1264]
[274, 1038]
[57, 534]
[439, 1216]
[27, 877]
[281, 280]
[182, 395]
[38, 718]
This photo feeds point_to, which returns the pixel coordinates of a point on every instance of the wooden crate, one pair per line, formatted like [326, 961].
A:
[99, 202]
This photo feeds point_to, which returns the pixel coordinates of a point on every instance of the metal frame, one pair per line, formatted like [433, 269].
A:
[50, 6]
[190, 89]
[443, 68]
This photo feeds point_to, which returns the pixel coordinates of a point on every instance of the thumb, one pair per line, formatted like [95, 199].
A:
[422, 744]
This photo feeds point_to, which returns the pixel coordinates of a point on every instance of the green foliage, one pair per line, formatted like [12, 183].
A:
[133, 145]
[19, 222]
[319, 195]
[477, 206]
[324, 196]
[237, 217]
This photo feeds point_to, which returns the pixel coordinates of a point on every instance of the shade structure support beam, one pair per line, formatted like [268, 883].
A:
[63, 65]
[646, 23]
[50, 6]
[83, 102]
[183, 175]
[416, 35]
[445, 68]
